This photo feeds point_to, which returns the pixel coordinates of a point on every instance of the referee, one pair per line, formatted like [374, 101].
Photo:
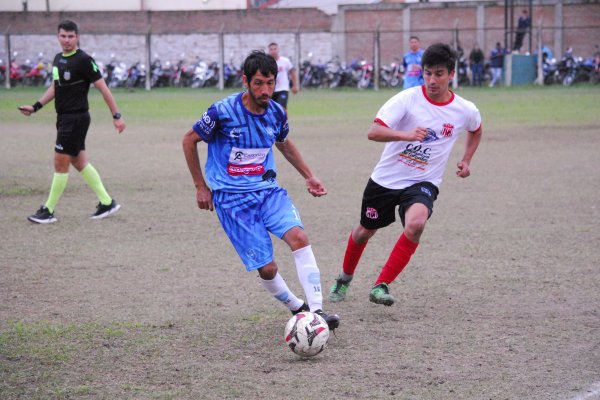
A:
[72, 73]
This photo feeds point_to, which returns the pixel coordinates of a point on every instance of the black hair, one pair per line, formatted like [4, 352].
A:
[439, 54]
[68, 26]
[258, 60]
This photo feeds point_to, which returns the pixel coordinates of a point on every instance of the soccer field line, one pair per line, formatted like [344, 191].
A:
[591, 393]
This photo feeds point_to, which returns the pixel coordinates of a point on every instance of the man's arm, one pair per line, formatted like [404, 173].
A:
[294, 79]
[473, 139]
[381, 133]
[45, 99]
[190, 150]
[111, 103]
[292, 154]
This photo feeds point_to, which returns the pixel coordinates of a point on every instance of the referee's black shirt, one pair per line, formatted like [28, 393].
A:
[72, 76]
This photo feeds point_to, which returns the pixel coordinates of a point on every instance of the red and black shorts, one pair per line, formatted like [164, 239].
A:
[378, 208]
[71, 130]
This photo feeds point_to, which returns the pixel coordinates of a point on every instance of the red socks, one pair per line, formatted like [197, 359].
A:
[352, 256]
[399, 258]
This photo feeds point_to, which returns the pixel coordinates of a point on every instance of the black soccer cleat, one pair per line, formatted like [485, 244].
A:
[103, 211]
[42, 216]
[333, 320]
[303, 307]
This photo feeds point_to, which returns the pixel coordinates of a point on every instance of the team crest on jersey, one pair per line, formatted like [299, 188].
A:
[371, 213]
[447, 130]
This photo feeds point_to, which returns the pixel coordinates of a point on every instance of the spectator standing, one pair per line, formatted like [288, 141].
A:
[412, 64]
[476, 58]
[286, 73]
[497, 63]
[523, 24]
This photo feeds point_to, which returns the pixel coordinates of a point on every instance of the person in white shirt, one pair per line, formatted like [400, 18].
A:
[419, 127]
[286, 73]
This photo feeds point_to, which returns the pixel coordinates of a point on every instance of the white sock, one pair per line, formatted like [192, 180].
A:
[279, 289]
[310, 277]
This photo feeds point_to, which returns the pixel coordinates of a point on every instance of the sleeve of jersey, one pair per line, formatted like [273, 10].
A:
[392, 111]
[285, 129]
[475, 120]
[206, 126]
[93, 72]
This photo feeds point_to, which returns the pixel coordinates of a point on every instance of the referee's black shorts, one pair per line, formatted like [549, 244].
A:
[379, 203]
[71, 130]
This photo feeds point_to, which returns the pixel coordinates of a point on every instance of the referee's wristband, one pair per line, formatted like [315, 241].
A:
[37, 106]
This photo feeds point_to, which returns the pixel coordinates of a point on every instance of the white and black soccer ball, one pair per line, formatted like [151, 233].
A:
[306, 334]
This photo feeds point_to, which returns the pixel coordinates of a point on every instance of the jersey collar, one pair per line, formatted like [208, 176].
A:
[70, 54]
[435, 103]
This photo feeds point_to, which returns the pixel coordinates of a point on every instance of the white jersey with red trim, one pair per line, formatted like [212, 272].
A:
[402, 163]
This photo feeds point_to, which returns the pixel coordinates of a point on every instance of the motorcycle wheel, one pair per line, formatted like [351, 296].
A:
[568, 80]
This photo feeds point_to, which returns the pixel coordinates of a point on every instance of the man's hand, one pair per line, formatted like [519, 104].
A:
[417, 135]
[463, 169]
[26, 110]
[204, 198]
[119, 124]
[315, 186]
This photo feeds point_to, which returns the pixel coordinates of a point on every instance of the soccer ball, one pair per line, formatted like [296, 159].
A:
[306, 334]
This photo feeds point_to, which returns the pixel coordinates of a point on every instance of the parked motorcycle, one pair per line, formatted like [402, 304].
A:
[365, 75]
[136, 76]
[392, 75]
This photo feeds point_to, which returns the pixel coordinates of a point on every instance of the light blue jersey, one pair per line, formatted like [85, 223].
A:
[240, 154]
[413, 75]
[240, 170]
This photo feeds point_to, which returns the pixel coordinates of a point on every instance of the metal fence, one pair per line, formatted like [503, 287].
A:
[375, 47]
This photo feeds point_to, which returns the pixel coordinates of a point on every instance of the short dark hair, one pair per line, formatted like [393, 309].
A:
[273, 44]
[439, 54]
[68, 26]
[414, 37]
[258, 60]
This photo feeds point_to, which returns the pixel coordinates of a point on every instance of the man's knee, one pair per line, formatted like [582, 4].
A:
[268, 272]
[361, 235]
[296, 238]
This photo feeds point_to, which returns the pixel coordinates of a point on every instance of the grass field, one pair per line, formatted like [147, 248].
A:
[500, 301]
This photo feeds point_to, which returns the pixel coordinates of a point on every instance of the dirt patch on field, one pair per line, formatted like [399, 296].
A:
[501, 300]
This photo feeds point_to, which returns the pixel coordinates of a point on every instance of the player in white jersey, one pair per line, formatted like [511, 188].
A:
[286, 74]
[240, 132]
[419, 127]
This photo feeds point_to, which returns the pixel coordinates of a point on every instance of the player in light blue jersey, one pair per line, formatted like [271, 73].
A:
[240, 131]
[413, 75]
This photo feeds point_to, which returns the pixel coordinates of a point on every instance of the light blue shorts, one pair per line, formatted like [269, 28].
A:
[247, 219]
